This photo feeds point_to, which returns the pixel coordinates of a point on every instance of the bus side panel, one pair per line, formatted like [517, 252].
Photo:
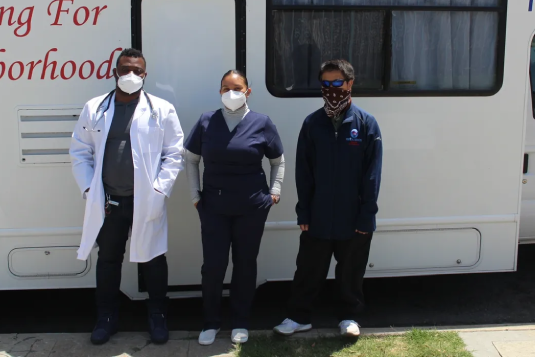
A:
[451, 169]
[55, 56]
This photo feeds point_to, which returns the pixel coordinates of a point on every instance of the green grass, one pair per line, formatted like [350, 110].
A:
[416, 343]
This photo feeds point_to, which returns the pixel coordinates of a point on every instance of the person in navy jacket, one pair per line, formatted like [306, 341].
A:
[338, 174]
[235, 200]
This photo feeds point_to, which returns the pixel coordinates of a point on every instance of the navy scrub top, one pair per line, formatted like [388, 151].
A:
[234, 181]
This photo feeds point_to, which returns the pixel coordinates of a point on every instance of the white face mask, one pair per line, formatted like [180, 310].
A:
[130, 83]
[234, 100]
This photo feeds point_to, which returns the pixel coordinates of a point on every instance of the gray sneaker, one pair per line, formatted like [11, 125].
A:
[207, 337]
[289, 327]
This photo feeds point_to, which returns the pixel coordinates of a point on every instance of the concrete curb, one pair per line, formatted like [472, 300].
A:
[314, 333]
[459, 328]
[184, 343]
[384, 331]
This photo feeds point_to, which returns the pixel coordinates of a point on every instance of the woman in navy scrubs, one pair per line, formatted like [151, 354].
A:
[235, 200]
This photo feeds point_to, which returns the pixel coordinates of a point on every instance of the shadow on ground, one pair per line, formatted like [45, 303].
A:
[471, 299]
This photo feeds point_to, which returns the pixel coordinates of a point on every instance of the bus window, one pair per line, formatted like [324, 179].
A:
[420, 50]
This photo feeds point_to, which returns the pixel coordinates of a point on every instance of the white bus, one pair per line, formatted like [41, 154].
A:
[447, 80]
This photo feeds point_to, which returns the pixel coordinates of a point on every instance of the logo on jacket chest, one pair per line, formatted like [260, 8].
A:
[353, 139]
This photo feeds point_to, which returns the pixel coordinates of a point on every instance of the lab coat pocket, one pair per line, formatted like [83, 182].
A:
[157, 206]
[150, 139]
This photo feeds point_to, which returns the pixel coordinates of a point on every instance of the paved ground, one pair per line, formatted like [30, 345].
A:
[127, 344]
[515, 341]
[483, 341]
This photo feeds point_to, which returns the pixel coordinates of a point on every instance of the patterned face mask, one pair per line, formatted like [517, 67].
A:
[336, 100]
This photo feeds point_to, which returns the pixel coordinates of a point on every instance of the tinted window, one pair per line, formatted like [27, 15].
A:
[391, 2]
[443, 50]
[452, 49]
[304, 39]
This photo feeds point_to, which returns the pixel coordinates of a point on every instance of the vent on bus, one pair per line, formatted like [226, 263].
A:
[45, 135]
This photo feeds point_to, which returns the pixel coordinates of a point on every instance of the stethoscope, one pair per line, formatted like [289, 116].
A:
[105, 105]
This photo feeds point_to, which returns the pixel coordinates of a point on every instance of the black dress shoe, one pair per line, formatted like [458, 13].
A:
[106, 327]
[159, 333]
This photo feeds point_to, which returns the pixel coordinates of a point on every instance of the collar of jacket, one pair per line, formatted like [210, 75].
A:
[350, 114]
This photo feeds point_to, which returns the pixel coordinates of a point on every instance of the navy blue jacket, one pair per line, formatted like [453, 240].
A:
[338, 174]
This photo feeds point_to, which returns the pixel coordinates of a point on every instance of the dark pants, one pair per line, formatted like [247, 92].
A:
[313, 262]
[112, 240]
[219, 233]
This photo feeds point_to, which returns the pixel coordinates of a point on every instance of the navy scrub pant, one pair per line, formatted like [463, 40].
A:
[313, 262]
[112, 240]
[220, 233]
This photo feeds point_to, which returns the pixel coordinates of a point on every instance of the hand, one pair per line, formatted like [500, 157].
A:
[196, 203]
[275, 199]
[359, 232]
[304, 227]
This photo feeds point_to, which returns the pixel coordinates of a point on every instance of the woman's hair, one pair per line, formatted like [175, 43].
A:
[237, 72]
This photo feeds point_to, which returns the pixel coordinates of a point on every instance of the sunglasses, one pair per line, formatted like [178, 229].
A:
[335, 83]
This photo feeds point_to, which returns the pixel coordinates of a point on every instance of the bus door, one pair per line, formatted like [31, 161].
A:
[527, 224]
[188, 45]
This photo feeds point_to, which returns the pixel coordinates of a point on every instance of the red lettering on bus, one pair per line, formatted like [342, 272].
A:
[3, 12]
[81, 71]
[21, 70]
[54, 70]
[2, 65]
[59, 11]
[62, 72]
[97, 11]
[32, 65]
[86, 16]
[26, 23]
[109, 73]
[54, 64]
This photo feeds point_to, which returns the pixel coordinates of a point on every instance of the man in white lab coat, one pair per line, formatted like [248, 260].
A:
[126, 155]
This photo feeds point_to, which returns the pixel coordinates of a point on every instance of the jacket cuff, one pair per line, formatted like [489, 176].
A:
[303, 219]
[366, 223]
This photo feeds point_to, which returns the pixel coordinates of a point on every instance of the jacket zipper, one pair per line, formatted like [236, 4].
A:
[334, 171]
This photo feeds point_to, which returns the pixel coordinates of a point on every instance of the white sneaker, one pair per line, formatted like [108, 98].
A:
[207, 337]
[289, 327]
[349, 328]
[239, 335]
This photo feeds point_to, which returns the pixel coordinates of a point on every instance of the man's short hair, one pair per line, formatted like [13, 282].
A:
[338, 65]
[131, 52]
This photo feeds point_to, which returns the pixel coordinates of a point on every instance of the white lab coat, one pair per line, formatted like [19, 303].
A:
[157, 156]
